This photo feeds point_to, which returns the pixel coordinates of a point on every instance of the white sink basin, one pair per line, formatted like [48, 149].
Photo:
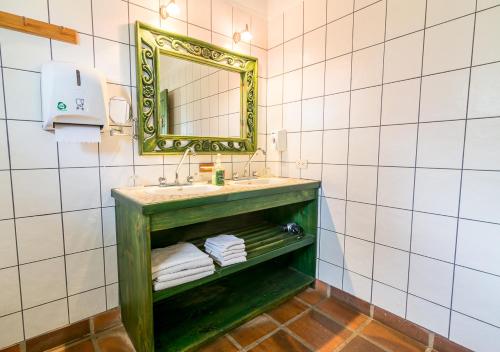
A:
[181, 190]
[259, 181]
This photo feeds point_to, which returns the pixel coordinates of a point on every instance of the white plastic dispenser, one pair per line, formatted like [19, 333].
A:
[73, 102]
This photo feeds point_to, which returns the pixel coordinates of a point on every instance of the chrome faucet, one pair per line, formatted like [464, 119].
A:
[188, 150]
[246, 170]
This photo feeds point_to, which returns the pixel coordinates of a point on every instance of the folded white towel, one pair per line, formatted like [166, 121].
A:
[224, 241]
[233, 249]
[218, 256]
[178, 257]
[157, 286]
[183, 267]
[165, 276]
[231, 261]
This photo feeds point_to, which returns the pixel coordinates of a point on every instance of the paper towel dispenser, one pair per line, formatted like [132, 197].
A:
[73, 95]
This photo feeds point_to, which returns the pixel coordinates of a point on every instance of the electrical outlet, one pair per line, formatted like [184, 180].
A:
[301, 164]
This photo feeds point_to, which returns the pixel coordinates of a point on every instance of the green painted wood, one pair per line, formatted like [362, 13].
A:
[185, 322]
[181, 217]
[134, 272]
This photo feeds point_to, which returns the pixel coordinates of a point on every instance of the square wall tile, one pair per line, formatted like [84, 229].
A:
[360, 220]
[473, 334]
[391, 266]
[357, 285]
[333, 214]
[314, 81]
[111, 267]
[389, 298]
[292, 88]
[42, 199]
[444, 96]
[199, 13]
[87, 304]
[112, 296]
[367, 67]
[395, 187]
[275, 36]
[82, 54]
[8, 249]
[437, 191]
[222, 14]
[330, 274]
[448, 46]
[484, 98]
[404, 17]
[45, 318]
[363, 146]
[365, 107]
[85, 271]
[431, 279]
[36, 9]
[275, 118]
[314, 14]
[393, 227]
[335, 146]
[369, 26]
[259, 31]
[445, 10]
[428, 315]
[2, 100]
[434, 236]
[398, 145]
[293, 22]
[78, 155]
[24, 51]
[292, 152]
[113, 60]
[314, 46]
[76, 14]
[22, 86]
[339, 37]
[109, 226]
[338, 8]
[6, 210]
[334, 181]
[82, 230]
[292, 53]
[400, 102]
[80, 188]
[440, 144]
[291, 116]
[145, 15]
[338, 74]
[312, 114]
[310, 148]
[484, 4]
[10, 300]
[275, 61]
[476, 294]
[42, 282]
[336, 114]
[480, 199]
[477, 246]
[403, 57]
[358, 256]
[22, 155]
[110, 27]
[487, 24]
[362, 184]
[39, 237]
[115, 151]
[482, 144]
[11, 329]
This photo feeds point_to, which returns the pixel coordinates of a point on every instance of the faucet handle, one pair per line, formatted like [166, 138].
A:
[255, 174]
[236, 175]
[190, 179]
[162, 181]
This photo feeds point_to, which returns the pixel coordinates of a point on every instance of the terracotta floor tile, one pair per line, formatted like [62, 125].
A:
[342, 313]
[319, 331]
[359, 344]
[280, 342]
[222, 344]
[391, 339]
[287, 310]
[107, 320]
[116, 340]
[312, 296]
[82, 346]
[253, 330]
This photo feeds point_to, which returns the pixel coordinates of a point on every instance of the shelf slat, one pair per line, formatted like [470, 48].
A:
[263, 242]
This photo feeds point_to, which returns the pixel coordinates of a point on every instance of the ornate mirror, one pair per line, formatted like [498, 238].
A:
[193, 94]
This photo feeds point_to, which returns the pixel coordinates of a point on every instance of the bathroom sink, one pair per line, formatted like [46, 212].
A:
[259, 181]
[181, 190]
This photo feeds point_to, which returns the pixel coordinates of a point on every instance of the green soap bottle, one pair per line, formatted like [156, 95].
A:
[218, 172]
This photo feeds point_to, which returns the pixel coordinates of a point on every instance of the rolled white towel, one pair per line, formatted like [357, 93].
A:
[224, 241]
[180, 256]
[157, 286]
[164, 276]
[234, 249]
[231, 261]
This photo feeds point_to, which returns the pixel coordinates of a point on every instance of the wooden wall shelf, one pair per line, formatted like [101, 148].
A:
[39, 28]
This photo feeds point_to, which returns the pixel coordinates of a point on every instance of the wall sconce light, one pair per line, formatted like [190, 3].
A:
[245, 35]
[171, 9]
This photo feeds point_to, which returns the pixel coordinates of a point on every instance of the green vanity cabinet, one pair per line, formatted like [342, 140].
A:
[184, 317]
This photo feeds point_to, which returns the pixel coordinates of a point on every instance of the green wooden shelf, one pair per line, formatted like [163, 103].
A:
[183, 323]
[263, 242]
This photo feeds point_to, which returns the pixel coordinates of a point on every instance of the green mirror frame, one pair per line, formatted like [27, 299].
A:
[152, 42]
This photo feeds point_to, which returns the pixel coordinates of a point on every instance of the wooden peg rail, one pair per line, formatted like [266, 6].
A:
[39, 28]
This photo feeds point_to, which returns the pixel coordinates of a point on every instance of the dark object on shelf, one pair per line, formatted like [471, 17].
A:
[293, 228]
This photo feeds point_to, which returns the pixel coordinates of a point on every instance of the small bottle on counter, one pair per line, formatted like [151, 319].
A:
[218, 173]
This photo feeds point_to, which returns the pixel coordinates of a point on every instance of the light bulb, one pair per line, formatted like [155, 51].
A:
[246, 35]
[172, 9]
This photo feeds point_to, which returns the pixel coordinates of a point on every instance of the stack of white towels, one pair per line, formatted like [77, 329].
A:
[178, 264]
[226, 249]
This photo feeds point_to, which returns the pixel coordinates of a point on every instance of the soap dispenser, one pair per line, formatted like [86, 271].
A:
[218, 172]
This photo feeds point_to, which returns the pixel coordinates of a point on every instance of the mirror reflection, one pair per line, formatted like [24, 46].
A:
[198, 100]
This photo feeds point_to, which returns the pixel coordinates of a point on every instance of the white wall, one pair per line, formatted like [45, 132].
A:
[396, 106]
[57, 232]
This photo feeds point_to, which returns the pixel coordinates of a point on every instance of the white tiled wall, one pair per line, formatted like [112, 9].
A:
[57, 226]
[404, 133]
